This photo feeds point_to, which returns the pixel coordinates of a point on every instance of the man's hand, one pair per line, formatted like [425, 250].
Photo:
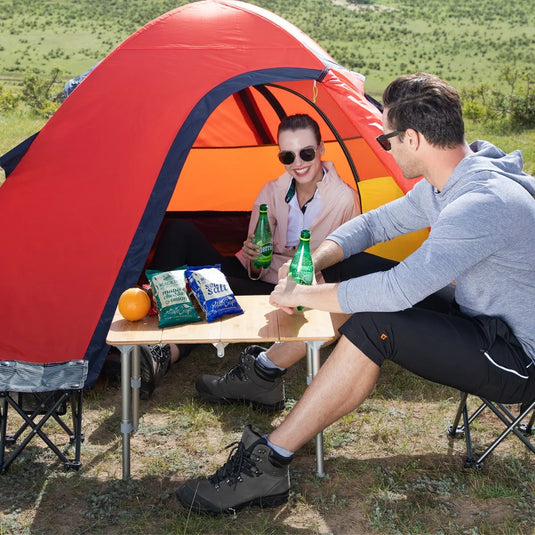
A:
[283, 296]
[288, 295]
[284, 269]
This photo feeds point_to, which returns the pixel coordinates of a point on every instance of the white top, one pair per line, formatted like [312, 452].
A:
[301, 218]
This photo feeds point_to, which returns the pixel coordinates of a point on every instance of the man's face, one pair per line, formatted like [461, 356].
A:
[401, 150]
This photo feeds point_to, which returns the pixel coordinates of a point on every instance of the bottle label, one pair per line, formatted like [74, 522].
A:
[266, 250]
[265, 254]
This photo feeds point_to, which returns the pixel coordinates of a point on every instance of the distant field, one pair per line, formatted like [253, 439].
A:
[464, 42]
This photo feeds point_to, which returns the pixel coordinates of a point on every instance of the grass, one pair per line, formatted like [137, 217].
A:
[391, 467]
[508, 141]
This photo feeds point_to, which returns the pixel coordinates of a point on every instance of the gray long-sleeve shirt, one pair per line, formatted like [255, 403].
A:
[482, 237]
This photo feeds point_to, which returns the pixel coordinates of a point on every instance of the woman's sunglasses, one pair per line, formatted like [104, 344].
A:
[384, 139]
[287, 157]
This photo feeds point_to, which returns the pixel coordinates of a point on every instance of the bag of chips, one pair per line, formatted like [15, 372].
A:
[212, 291]
[171, 297]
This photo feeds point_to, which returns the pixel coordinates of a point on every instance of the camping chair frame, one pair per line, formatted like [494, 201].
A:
[512, 425]
[45, 405]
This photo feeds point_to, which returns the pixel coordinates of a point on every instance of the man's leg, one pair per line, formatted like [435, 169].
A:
[476, 355]
[479, 355]
[341, 385]
[256, 472]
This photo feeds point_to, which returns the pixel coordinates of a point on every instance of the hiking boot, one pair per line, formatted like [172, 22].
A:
[154, 364]
[248, 381]
[254, 474]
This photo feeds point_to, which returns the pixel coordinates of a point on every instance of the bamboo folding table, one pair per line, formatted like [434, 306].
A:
[260, 322]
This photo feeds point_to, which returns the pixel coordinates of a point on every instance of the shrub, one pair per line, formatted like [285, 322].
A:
[515, 106]
[37, 92]
[8, 99]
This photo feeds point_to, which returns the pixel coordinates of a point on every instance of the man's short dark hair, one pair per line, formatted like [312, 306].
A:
[427, 104]
[300, 121]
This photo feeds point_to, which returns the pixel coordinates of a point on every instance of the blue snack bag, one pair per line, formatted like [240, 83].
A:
[212, 291]
[171, 297]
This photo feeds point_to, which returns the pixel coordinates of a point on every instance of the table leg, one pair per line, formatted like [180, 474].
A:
[313, 365]
[126, 407]
[135, 384]
[220, 346]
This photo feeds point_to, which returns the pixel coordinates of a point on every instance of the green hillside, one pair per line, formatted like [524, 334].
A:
[464, 42]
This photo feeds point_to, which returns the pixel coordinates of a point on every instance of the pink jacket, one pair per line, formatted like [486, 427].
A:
[339, 203]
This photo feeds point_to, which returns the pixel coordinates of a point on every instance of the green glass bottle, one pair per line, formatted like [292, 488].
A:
[264, 239]
[301, 266]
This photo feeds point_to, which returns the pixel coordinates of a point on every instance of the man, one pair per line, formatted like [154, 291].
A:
[480, 207]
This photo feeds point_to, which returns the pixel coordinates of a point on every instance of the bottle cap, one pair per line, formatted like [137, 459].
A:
[305, 234]
[263, 207]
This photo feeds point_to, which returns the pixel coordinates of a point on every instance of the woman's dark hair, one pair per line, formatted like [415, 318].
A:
[300, 121]
[427, 104]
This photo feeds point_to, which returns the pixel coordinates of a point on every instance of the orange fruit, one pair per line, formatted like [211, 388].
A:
[134, 304]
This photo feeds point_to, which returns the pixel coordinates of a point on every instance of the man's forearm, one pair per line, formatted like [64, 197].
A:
[326, 255]
[288, 295]
[319, 297]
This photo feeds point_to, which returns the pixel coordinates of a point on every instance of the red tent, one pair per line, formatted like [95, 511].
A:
[181, 116]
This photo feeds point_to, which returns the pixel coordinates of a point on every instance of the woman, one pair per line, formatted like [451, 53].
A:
[309, 195]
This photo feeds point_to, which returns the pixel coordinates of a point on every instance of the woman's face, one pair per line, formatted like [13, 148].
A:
[294, 141]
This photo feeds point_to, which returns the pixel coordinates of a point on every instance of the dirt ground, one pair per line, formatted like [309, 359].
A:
[391, 467]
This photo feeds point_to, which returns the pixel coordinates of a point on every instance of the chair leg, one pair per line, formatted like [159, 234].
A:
[470, 461]
[513, 424]
[455, 430]
[36, 428]
[77, 437]
[527, 429]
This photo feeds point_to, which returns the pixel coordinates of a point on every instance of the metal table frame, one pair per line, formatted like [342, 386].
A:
[129, 336]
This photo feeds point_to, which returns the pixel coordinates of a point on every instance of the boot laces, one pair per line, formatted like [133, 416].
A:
[160, 353]
[238, 371]
[238, 462]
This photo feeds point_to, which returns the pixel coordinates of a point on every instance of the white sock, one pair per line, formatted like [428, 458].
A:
[263, 360]
[283, 452]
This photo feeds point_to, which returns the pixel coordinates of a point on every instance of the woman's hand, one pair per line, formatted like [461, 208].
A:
[250, 250]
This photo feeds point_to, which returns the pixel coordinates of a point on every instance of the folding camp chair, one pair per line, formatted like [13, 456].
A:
[40, 406]
[39, 395]
[521, 426]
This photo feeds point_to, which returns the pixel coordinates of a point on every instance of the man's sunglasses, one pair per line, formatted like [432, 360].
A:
[287, 157]
[384, 139]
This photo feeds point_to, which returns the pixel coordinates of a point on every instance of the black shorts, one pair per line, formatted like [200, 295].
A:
[434, 340]
[476, 355]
